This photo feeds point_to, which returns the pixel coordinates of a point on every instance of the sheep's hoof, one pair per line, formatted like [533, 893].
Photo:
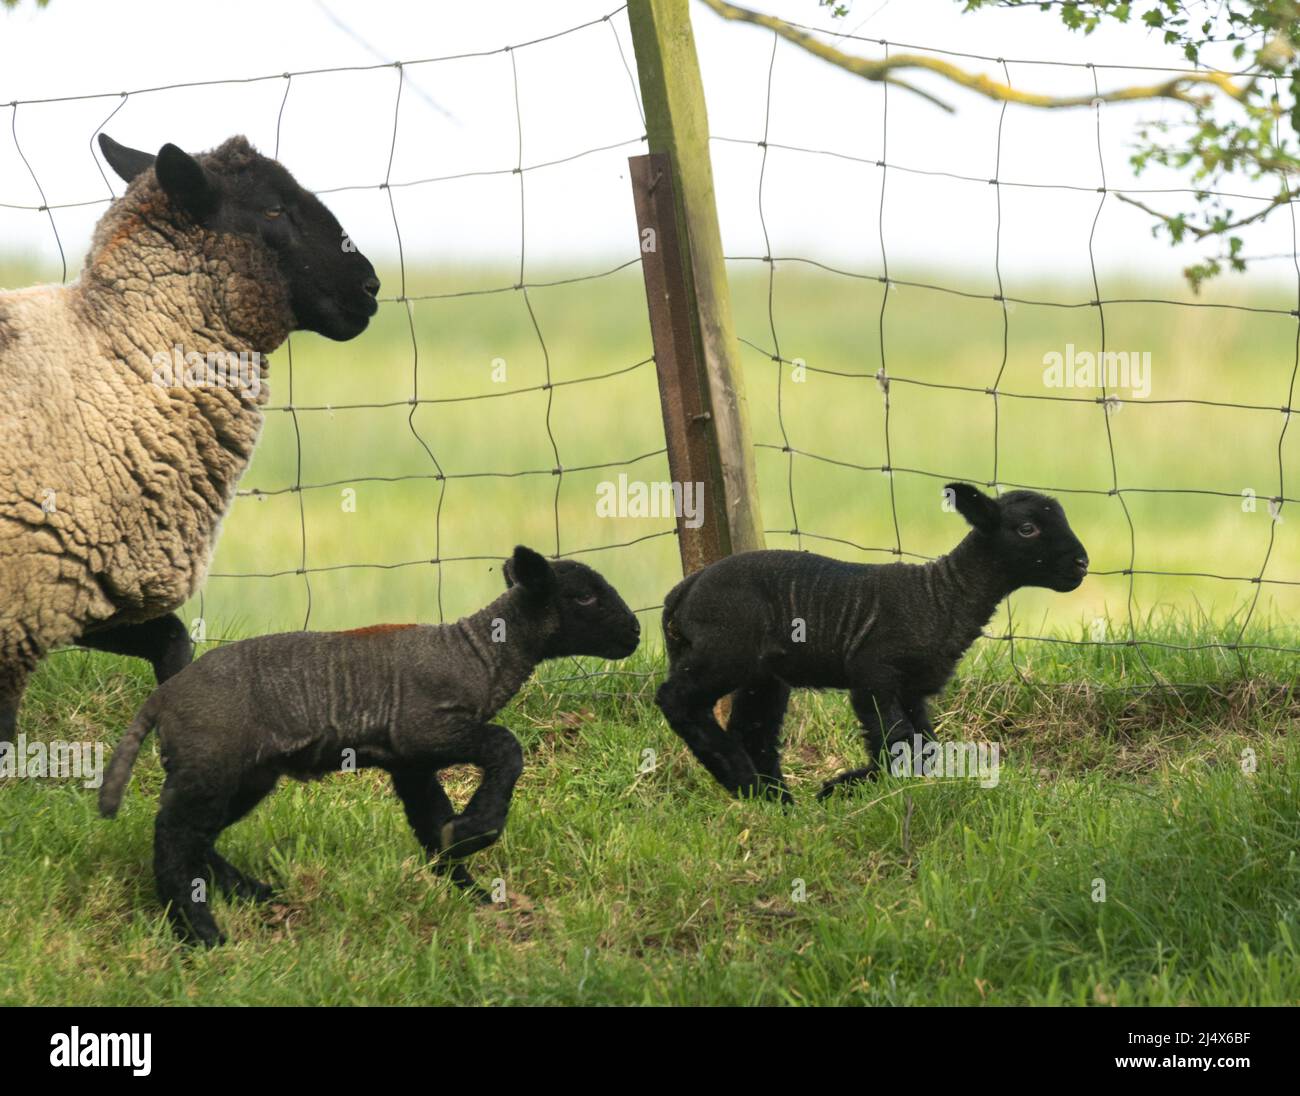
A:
[245, 887]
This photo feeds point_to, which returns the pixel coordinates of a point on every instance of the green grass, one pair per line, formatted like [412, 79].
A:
[653, 887]
[629, 887]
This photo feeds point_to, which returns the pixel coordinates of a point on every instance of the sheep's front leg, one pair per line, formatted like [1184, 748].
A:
[883, 721]
[10, 696]
[427, 810]
[163, 642]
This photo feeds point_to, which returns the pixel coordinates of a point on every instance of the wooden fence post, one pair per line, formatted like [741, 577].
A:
[702, 392]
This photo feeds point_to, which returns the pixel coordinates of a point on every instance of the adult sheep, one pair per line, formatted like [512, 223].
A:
[116, 469]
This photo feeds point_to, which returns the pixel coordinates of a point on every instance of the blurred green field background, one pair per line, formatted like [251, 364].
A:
[350, 567]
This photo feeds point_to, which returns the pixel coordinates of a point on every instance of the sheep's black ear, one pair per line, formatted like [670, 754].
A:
[186, 182]
[127, 162]
[976, 507]
[531, 571]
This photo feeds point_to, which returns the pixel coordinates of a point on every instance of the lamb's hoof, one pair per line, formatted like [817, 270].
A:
[846, 780]
[457, 845]
[481, 895]
[771, 789]
[199, 936]
[235, 884]
[253, 890]
[465, 884]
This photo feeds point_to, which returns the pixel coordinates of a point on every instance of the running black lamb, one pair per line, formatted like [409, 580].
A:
[411, 699]
[760, 623]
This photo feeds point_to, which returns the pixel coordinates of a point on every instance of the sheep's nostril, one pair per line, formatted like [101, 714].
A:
[1082, 561]
[371, 286]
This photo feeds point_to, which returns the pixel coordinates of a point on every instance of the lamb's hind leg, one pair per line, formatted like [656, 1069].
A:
[882, 721]
[233, 882]
[757, 713]
[687, 700]
[428, 810]
[188, 822]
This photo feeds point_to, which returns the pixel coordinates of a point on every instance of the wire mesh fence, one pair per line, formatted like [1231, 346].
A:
[454, 486]
[240, 595]
[882, 387]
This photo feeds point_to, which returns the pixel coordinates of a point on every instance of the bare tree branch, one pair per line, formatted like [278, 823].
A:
[1180, 88]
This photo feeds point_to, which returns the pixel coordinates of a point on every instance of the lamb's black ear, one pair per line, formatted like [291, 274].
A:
[127, 162]
[976, 507]
[186, 182]
[531, 571]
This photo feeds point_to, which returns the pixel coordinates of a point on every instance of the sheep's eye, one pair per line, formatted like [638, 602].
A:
[586, 600]
[1028, 529]
[274, 212]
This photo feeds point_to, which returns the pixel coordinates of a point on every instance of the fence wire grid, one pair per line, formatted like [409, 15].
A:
[993, 391]
[763, 348]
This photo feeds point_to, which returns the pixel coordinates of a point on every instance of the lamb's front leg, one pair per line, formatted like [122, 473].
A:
[427, 810]
[500, 757]
[494, 751]
[918, 714]
[883, 721]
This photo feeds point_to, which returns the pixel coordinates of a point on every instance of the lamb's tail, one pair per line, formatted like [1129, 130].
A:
[674, 640]
[119, 766]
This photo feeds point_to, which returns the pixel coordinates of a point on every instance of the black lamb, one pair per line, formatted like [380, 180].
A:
[759, 623]
[409, 699]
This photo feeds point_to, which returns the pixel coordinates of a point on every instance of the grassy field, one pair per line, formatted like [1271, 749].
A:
[629, 887]
[653, 887]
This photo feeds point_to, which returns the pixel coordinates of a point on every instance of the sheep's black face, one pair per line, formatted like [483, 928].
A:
[585, 615]
[332, 287]
[1029, 534]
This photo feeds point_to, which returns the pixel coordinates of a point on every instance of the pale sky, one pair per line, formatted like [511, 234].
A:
[575, 95]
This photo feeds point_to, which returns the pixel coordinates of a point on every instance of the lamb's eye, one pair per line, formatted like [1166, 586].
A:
[586, 600]
[274, 212]
[1028, 529]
